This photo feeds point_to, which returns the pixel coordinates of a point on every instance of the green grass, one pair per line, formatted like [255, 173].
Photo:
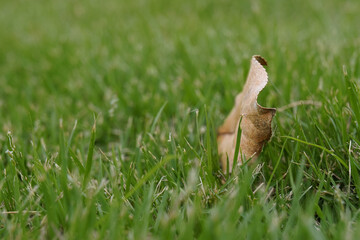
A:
[109, 111]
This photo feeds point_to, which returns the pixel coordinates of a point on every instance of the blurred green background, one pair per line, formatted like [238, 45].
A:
[67, 59]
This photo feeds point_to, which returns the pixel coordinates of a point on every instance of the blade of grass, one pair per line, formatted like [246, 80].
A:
[208, 148]
[276, 166]
[148, 175]
[237, 146]
[342, 162]
[156, 119]
[354, 173]
[77, 161]
[70, 138]
[89, 159]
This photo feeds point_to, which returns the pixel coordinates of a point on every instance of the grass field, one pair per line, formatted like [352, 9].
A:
[109, 111]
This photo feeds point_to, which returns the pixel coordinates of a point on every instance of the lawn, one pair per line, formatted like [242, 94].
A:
[109, 113]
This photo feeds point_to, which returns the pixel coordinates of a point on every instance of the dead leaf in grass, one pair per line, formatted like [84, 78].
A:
[255, 120]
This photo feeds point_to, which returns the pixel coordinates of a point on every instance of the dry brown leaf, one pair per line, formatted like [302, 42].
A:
[255, 119]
